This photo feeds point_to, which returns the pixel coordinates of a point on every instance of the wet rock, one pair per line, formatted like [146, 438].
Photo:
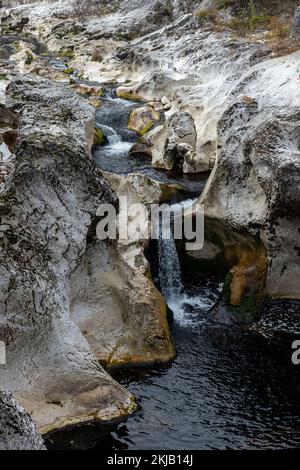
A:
[17, 431]
[96, 102]
[87, 90]
[171, 145]
[180, 130]
[143, 119]
[128, 93]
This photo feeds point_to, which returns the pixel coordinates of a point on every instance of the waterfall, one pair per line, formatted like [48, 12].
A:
[169, 267]
[169, 271]
[112, 136]
[188, 310]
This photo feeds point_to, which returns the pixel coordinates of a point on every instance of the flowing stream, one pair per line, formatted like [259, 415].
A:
[228, 388]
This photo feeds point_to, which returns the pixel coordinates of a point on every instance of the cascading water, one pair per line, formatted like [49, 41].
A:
[170, 271]
[186, 308]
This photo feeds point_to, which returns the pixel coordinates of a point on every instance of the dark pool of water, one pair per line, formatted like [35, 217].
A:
[227, 389]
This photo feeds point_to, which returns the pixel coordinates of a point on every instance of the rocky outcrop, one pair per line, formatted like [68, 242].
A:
[143, 119]
[251, 199]
[17, 431]
[296, 24]
[171, 146]
[113, 300]
[47, 206]
[221, 112]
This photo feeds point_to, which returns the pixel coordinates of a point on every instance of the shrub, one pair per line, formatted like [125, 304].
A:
[210, 15]
[250, 20]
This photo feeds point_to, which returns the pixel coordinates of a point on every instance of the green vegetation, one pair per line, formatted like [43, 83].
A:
[250, 20]
[147, 128]
[210, 15]
[69, 71]
[67, 54]
[3, 76]
[30, 58]
[99, 137]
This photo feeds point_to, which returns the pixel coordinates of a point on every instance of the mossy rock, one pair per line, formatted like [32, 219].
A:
[128, 94]
[143, 119]
[69, 71]
[99, 137]
[67, 54]
[86, 90]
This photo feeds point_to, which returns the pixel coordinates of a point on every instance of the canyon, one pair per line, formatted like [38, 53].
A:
[161, 102]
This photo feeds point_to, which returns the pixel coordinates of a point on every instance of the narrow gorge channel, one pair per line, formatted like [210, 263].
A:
[227, 386]
[111, 343]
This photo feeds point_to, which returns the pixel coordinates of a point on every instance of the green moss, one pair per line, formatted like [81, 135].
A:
[207, 14]
[69, 71]
[100, 93]
[67, 54]
[227, 288]
[99, 137]
[30, 58]
[146, 129]
[3, 76]
[17, 46]
[127, 95]
[11, 237]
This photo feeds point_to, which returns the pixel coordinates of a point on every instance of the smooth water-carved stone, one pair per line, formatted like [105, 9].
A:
[17, 431]
[47, 208]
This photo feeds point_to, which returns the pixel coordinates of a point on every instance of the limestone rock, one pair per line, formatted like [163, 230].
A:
[143, 119]
[17, 431]
[47, 208]
[128, 93]
[87, 90]
[252, 195]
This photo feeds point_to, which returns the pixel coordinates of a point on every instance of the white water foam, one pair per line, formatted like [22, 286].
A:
[115, 146]
[4, 150]
[186, 309]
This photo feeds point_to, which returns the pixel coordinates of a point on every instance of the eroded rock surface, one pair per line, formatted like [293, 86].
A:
[47, 207]
[240, 115]
[17, 431]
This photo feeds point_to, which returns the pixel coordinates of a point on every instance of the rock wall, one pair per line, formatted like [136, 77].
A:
[243, 110]
[46, 207]
[17, 431]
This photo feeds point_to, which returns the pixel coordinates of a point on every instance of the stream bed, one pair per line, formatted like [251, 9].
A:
[228, 388]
